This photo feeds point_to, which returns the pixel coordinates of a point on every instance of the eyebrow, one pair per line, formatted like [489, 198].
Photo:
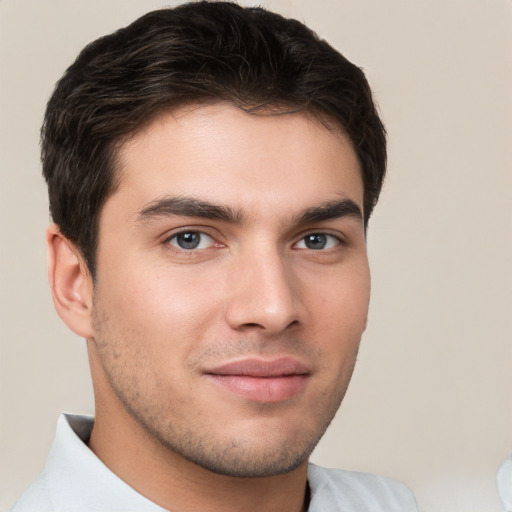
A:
[330, 211]
[188, 207]
[191, 207]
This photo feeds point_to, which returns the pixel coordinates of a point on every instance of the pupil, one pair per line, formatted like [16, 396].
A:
[188, 240]
[316, 241]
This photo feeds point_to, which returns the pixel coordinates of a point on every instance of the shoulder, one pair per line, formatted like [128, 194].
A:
[36, 497]
[335, 490]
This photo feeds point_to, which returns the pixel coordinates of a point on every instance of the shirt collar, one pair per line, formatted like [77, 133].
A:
[76, 475]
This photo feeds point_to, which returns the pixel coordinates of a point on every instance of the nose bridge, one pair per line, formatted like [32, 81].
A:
[263, 291]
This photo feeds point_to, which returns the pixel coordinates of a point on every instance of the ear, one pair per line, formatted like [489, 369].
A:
[70, 282]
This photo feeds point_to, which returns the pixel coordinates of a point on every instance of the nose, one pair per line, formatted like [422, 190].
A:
[264, 294]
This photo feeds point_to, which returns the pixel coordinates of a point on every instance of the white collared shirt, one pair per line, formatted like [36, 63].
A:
[75, 480]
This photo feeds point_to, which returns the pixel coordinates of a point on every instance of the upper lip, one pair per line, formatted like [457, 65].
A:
[257, 367]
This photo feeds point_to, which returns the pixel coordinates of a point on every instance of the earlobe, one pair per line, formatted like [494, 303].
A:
[70, 283]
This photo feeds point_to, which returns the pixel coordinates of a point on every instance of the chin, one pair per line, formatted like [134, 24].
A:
[252, 455]
[232, 463]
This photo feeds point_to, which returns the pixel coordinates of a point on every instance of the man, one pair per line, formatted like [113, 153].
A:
[211, 172]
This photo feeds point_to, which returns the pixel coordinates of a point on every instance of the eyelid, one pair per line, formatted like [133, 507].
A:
[201, 230]
[340, 241]
[204, 239]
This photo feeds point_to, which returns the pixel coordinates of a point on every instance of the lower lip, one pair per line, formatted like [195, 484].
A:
[263, 389]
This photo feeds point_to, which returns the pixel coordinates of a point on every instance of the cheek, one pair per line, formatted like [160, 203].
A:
[341, 298]
[162, 309]
[339, 314]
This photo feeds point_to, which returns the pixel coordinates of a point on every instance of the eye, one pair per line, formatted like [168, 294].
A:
[318, 242]
[191, 240]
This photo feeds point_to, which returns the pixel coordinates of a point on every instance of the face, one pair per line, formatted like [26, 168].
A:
[232, 285]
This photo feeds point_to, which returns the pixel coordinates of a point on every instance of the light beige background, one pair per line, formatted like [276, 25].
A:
[431, 401]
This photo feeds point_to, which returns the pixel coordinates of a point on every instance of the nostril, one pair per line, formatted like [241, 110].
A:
[255, 324]
[252, 324]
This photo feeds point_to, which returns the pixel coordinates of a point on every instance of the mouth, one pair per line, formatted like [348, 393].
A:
[262, 380]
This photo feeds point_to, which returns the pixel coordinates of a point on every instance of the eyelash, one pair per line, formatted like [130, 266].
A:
[331, 240]
[202, 234]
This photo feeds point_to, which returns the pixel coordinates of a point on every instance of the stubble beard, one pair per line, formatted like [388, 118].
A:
[236, 456]
[233, 457]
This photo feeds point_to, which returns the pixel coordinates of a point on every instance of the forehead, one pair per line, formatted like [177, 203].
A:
[218, 152]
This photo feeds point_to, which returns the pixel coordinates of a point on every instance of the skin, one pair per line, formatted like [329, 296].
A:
[161, 317]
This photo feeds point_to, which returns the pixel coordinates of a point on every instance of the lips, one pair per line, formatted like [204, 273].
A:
[261, 380]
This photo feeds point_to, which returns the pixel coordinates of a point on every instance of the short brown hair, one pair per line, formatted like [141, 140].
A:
[204, 51]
